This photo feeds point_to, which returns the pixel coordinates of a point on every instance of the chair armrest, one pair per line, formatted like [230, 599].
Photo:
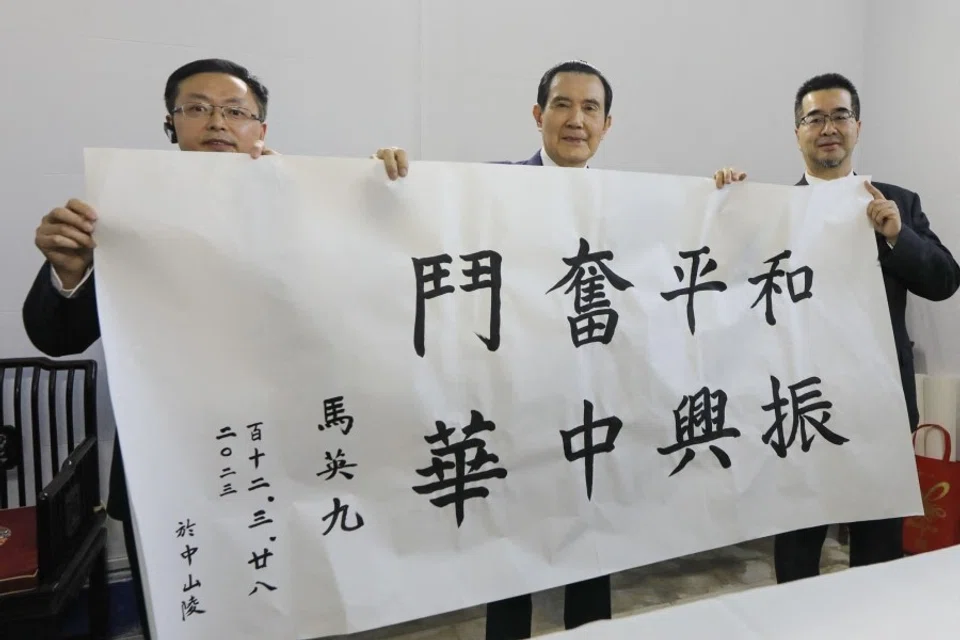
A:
[66, 508]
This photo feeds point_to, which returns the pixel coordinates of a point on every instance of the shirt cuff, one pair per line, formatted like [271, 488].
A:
[58, 284]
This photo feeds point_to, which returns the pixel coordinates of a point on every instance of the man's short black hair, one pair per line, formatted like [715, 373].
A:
[824, 82]
[573, 66]
[216, 65]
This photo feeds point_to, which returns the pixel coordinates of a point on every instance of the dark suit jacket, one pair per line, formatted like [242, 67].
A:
[918, 263]
[60, 326]
[535, 161]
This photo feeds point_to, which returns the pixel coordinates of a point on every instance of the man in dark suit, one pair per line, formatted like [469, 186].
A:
[912, 259]
[212, 105]
[572, 113]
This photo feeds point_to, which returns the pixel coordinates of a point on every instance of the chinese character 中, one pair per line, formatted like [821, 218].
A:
[800, 410]
[340, 513]
[700, 420]
[482, 276]
[695, 273]
[595, 320]
[334, 415]
[188, 554]
[337, 464]
[770, 285]
[464, 470]
[590, 447]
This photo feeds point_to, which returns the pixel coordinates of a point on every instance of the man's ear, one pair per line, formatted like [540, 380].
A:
[538, 116]
[170, 131]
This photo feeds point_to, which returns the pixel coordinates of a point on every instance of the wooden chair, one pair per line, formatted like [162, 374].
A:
[52, 521]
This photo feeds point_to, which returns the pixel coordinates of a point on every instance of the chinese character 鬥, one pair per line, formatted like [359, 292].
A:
[430, 273]
[700, 420]
[462, 470]
[595, 321]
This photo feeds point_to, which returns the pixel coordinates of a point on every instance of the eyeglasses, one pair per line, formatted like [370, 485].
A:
[820, 119]
[196, 110]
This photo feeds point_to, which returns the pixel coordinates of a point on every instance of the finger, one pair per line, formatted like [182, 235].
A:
[69, 217]
[270, 152]
[872, 190]
[257, 149]
[82, 208]
[82, 239]
[56, 242]
[389, 162]
[403, 165]
[739, 176]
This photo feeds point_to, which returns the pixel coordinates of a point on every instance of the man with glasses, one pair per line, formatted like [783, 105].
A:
[912, 259]
[212, 105]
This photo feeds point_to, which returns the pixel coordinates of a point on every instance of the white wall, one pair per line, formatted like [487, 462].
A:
[911, 137]
[697, 86]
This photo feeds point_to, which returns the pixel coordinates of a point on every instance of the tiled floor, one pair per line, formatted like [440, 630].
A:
[667, 583]
[660, 585]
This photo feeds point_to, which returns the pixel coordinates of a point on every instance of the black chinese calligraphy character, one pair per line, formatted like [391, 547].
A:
[190, 607]
[700, 420]
[257, 454]
[227, 471]
[258, 483]
[591, 447]
[337, 464]
[595, 320]
[334, 415]
[694, 286]
[191, 584]
[259, 519]
[188, 554]
[464, 470]
[770, 285]
[259, 584]
[185, 528]
[226, 452]
[255, 431]
[226, 432]
[340, 513]
[227, 489]
[800, 410]
[259, 561]
[483, 275]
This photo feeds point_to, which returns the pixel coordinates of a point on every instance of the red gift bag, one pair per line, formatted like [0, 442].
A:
[939, 526]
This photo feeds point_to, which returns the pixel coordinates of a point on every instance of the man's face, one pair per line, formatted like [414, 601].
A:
[828, 144]
[231, 129]
[573, 122]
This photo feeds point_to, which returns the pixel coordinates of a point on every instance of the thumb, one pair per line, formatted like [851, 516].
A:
[257, 149]
[873, 191]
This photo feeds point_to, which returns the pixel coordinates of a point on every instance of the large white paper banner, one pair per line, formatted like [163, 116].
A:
[346, 403]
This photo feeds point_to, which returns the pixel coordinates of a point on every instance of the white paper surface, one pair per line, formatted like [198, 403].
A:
[234, 292]
[915, 597]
